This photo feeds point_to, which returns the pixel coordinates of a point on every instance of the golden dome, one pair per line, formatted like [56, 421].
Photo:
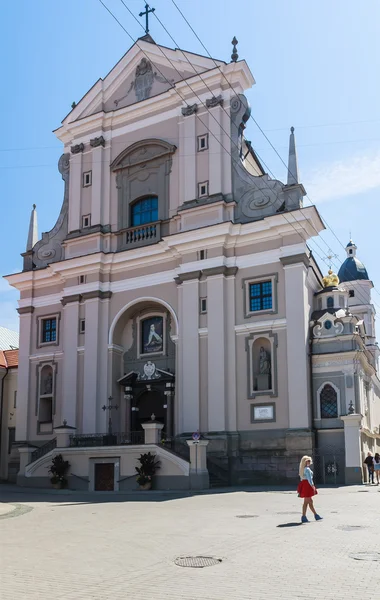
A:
[330, 280]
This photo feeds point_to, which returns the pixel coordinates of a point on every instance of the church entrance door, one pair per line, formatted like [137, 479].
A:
[104, 477]
[150, 402]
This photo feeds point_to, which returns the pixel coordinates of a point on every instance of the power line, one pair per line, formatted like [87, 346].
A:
[257, 124]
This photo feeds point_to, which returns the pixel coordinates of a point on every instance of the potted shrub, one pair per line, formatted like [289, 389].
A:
[147, 469]
[58, 470]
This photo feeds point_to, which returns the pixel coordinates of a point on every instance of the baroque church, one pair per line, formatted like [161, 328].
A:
[176, 295]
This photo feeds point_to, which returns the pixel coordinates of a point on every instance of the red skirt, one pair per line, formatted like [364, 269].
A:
[305, 490]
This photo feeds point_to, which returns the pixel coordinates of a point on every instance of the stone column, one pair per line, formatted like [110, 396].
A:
[352, 443]
[152, 430]
[128, 397]
[104, 383]
[297, 335]
[216, 349]
[169, 394]
[23, 375]
[189, 351]
[199, 478]
[231, 406]
[70, 324]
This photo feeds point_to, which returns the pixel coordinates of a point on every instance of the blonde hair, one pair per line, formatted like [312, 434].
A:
[303, 462]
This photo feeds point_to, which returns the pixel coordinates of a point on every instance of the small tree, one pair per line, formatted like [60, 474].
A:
[148, 467]
[58, 470]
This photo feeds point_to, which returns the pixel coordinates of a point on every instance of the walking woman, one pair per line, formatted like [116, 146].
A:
[306, 489]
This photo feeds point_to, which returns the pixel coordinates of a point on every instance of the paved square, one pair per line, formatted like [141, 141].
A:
[101, 547]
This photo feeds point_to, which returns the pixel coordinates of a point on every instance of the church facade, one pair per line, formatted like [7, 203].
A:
[177, 286]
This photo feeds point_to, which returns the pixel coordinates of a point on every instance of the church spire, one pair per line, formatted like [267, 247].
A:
[33, 230]
[293, 178]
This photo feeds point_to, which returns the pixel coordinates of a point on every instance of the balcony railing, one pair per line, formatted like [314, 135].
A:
[85, 440]
[143, 235]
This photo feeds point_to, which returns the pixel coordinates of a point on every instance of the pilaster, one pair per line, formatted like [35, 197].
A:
[352, 443]
[96, 188]
[297, 314]
[188, 343]
[215, 150]
[70, 325]
[23, 375]
[75, 193]
[216, 349]
[91, 344]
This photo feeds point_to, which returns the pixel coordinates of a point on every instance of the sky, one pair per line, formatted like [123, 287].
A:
[316, 66]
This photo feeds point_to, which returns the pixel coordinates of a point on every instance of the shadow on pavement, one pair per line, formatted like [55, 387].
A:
[289, 525]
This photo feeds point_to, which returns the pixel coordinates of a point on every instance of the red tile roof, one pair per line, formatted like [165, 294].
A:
[9, 359]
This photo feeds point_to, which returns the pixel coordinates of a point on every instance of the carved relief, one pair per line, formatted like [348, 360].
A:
[189, 110]
[49, 249]
[98, 141]
[77, 149]
[256, 197]
[143, 81]
[214, 101]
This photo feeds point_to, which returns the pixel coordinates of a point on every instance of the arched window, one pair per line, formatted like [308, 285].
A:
[330, 302]
[329, 402]
[144, 211]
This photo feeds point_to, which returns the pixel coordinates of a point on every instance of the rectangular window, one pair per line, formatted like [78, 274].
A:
[82, 325]
[202, 142]
[49, 330]
[11, 438]
[351, 293]
[86, 221]
[144, 211]
[202, 254]
[203, 306]
[87, 178]
[82, 279]
[203, 189]
[260, 296]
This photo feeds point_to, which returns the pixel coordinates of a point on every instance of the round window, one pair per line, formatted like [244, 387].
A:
[328, 325]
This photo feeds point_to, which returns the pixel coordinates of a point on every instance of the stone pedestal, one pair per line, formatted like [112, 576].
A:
[199, 478]
[62, 433]
[352, 443]
[263, 382]
[152, 431]
[25, 458]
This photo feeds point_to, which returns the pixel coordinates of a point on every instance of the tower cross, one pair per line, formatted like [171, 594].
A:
[146, 13]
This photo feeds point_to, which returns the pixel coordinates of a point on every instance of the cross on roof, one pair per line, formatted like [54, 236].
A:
[146, 13]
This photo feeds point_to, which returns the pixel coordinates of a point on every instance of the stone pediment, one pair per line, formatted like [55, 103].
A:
[142, 152]
[145, 71]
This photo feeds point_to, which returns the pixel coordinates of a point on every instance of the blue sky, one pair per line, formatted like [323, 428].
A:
[316, 67]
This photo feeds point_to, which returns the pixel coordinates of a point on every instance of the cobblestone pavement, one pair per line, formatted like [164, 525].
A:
[103, 547]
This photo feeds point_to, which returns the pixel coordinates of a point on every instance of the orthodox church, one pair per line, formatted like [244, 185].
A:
[176, 302]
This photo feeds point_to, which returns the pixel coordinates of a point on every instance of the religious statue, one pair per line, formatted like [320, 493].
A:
[153, 338]
[264, 362]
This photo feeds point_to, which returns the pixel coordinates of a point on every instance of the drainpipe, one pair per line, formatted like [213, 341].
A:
[1, 406]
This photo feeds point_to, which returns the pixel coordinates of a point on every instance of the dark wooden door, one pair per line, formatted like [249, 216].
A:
[104, 477]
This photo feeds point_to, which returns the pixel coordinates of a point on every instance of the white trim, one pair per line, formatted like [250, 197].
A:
[47, 300]
[245, 328]
[319, 390]
[139, 301]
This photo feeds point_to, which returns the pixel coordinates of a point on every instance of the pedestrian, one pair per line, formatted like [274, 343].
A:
[377, 467]
[306, 489]
[370, 466]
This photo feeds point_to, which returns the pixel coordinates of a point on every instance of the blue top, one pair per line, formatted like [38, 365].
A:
[352, 270]
[308, 474]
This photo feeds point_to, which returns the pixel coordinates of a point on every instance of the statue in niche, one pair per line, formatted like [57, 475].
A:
[48, 384]
[264, 362]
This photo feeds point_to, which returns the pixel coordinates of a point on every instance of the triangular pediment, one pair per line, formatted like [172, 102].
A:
[145, 71]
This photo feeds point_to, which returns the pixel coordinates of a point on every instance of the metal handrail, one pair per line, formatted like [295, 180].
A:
[42, 450]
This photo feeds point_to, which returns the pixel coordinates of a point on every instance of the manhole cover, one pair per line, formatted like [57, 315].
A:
[351, 527]
[197, 562]
[373, 556]
[246, 516]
